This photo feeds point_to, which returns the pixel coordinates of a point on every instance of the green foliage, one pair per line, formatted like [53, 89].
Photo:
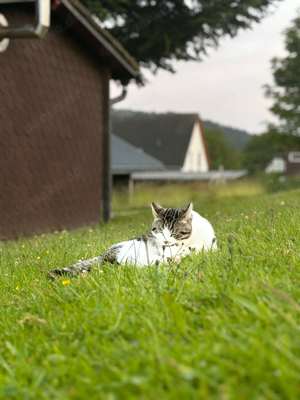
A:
[216, 325]
[238, 137]
[286, 91]
[156, 32]
[259, 151]
[221, 150]
[283, 140]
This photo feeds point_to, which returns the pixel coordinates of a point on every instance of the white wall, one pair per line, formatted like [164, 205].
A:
[195, 158]
[278, 164]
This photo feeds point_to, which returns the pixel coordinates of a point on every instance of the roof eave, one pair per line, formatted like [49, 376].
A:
[105, 39]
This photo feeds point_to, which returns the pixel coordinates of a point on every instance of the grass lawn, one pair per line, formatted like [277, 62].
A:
[221, 325]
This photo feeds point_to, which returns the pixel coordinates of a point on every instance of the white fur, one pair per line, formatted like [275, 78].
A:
[134, 251]
[202, 234]
[202, 237]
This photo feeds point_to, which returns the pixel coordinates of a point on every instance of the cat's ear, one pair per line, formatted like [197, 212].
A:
[156, 210]
[187, 213]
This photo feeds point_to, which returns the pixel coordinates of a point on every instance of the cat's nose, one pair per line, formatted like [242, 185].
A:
[165, 242]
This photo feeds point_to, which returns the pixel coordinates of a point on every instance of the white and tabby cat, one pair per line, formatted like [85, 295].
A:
[175, 232]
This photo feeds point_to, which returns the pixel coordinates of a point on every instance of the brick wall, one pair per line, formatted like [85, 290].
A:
[52, 95]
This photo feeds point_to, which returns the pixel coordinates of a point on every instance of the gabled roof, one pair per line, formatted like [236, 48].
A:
[164, 136]
[97, 39]
[126, 158]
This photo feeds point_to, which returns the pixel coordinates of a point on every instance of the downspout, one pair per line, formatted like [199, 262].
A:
[121, 97]
[107, 182]
[36, 30]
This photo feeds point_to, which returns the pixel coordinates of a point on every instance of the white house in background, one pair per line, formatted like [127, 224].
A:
[196, 158]
[277, 165]
[177, 140]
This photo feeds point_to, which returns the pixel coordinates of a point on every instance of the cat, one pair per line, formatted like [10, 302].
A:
[175, 233]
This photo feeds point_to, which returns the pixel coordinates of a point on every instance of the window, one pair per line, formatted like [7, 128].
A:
[294, 157]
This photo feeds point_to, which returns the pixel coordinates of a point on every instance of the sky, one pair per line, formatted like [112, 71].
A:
[226, 87]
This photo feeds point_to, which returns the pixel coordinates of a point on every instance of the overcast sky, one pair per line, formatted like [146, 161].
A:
[226, 87]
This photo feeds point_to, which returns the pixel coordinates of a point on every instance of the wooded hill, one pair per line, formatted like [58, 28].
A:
[238, 137]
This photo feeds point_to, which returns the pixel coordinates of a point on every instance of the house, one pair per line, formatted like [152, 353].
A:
[277, 165]
[127, 159]
[293, 163]
[54, 120]
[177, 140]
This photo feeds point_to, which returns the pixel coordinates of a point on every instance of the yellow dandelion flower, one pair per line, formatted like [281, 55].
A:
[65, 282]
[47, 251]
[60, 237]
[89, 245]
[64, 231]
[17, 288]
[38, 258]
[43, 235]
[23, 245]
[56, 232]
[229, 220]
[279, 213]
[143, 224]
[91, 230]
[246, 217]
[218, 212]
[254, 212]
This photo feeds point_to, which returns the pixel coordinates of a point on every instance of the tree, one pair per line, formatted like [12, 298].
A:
[286, 91]
[260, 150]
[220, 150]
[156, 32]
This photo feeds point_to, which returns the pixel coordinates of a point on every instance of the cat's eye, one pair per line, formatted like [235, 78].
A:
[183, 232]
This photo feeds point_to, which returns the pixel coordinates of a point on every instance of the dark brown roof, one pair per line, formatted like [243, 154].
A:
[163, 136]
[97, 39]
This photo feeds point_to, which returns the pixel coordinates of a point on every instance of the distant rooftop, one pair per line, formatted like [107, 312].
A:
[163, 136]
[229, 175]
[126, 158]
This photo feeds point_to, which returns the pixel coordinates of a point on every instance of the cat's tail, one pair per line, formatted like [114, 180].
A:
[78, 268]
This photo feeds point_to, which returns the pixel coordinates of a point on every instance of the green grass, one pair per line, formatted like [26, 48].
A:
[221, 325]
[182, 193]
